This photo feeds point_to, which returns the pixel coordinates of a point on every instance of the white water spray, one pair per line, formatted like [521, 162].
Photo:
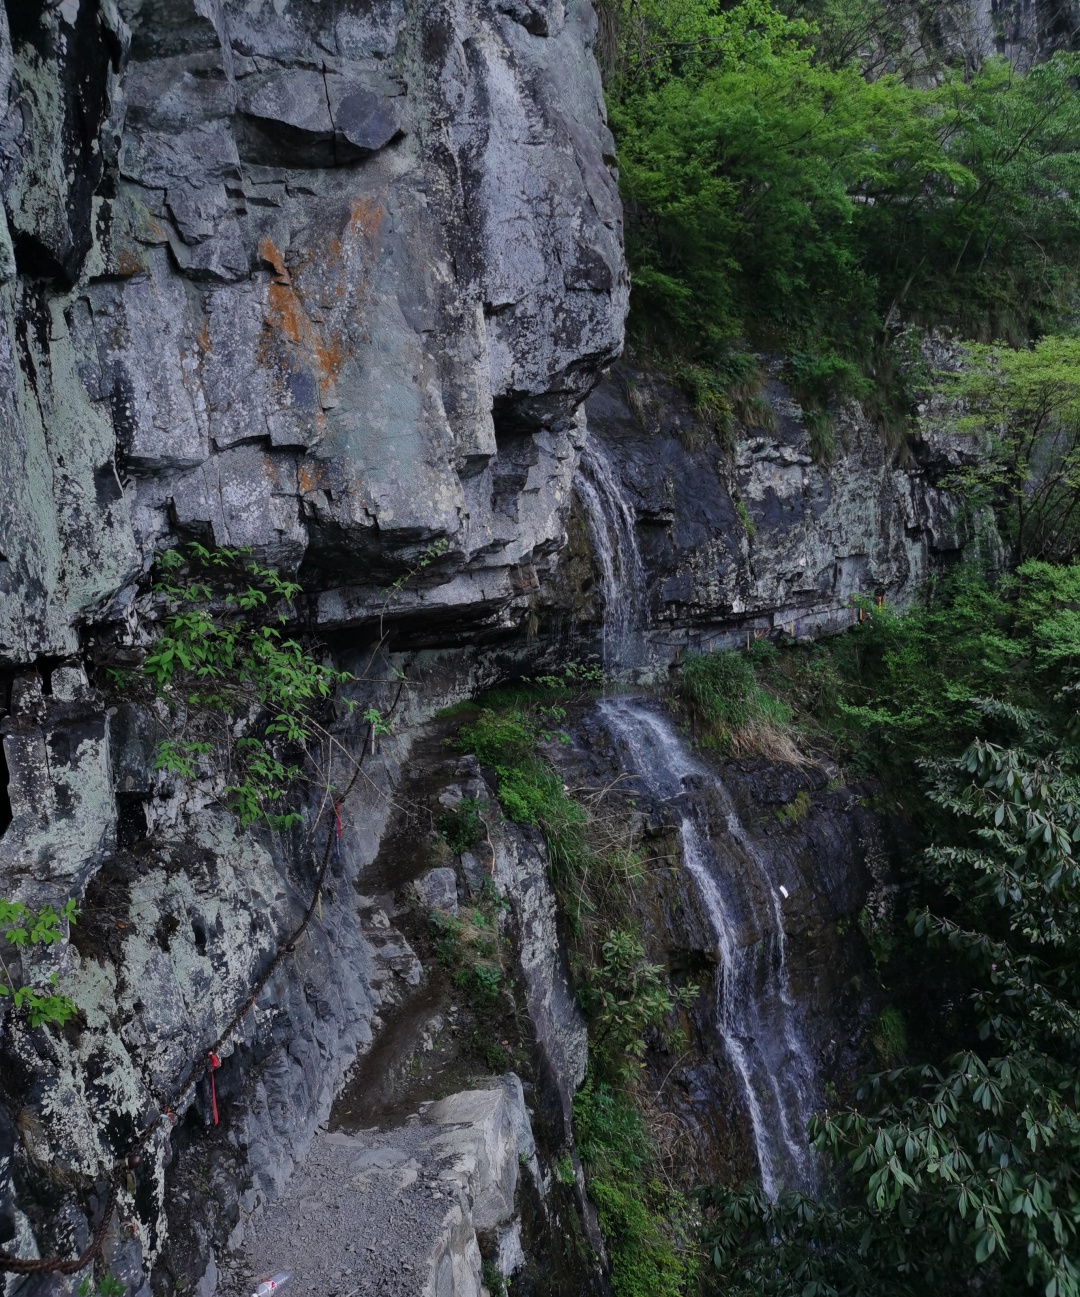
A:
[756, 1015]
[611, 524]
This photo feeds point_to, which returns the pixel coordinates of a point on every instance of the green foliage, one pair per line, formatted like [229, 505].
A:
[625, 997]
[963, 1170]
[786, 186]
[248, 692]
[732, 711]
[470, 944]
[795, 811]
[1022, 408]
[106, 1286]
[21, 928]
[493, 1279]
[894, 687]
[745, 519]
[648, 1226]
[463, 827]
[529, 790]
[647, 1223]
[889, 1037]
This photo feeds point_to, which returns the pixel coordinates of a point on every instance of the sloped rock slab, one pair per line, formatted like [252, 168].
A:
[402, 1211]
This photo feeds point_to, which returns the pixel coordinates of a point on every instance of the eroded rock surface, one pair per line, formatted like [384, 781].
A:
[330, 282]
[768, 536]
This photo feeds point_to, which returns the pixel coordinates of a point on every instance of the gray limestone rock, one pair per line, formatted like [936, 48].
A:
[437, 890]
[348, 283]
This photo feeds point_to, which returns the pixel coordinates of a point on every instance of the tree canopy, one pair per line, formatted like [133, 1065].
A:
[777, 194]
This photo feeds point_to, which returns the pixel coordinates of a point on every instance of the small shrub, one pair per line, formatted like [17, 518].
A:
[821, 431]
[493, 1279]
[625, 997]
[529, 790]
[648, 1226]
[464, 826]
[879, 934]
[472, 947]
[23, 927]
[498, 1057]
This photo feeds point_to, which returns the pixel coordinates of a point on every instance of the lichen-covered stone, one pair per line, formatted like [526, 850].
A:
[330, 286]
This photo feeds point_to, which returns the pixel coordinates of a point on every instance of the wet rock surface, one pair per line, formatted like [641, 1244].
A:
[828, 860]
[764, 538]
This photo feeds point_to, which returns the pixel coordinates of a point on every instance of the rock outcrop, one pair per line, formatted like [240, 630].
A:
[708, 543]
[403, 1211]
[331, 283]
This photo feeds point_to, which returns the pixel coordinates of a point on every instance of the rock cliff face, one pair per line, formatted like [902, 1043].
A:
[327, 281]
[766, 536]
[332, 280]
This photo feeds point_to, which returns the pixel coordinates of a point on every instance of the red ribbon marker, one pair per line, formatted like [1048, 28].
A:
[215, 1063]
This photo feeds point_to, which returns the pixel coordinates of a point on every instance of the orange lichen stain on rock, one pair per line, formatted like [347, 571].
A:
[311, 475]
[129, 263]
[366, 217]
[329, 357]
[286, 315]
[273, 258]
[202, 338]
[288, 322]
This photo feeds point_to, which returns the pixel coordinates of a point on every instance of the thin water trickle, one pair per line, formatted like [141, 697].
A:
[757, 1016]
[612, 529]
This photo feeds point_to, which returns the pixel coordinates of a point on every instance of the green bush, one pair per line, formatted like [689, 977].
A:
[626, 996]
[463, 827]
[786, 186]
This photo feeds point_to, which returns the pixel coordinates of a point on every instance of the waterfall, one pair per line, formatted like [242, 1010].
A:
[611, 524]
[756, 1015]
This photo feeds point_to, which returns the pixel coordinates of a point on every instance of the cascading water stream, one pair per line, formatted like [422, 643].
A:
[756, 1015]
[611, 525]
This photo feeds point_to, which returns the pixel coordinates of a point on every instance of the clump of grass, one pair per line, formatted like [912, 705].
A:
[529, 790]
[796, 810]
[732, 712]
[744, 518]
[821, 431]
[889, 1037]
[470, 944]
